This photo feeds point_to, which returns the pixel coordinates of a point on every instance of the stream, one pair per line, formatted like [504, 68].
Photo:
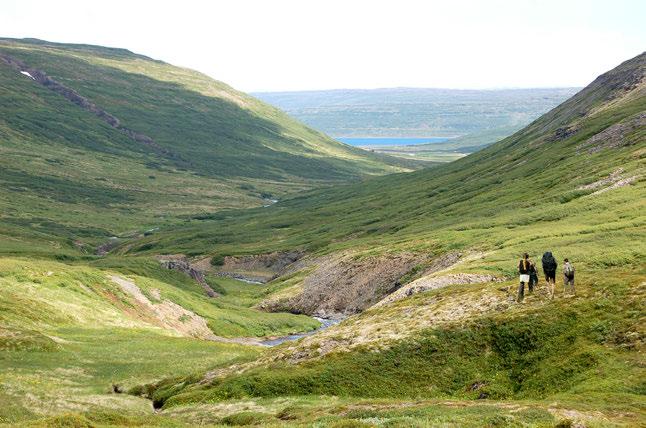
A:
[325, 323]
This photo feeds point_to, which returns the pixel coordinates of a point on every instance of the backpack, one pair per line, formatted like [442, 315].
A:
[548, 261]
[532, 268]
[568, 270]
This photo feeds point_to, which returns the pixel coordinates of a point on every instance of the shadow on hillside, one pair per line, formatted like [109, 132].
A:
[212, 136]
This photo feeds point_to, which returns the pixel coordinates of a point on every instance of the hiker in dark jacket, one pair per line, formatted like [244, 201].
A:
[533, 276]
[549, 269]
[524, 266]
[568, 276]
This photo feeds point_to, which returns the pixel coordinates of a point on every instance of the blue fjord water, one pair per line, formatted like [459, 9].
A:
[390, 141]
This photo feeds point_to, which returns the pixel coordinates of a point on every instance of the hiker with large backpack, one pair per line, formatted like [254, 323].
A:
[568, 276]
[549, 269]
[524, 267]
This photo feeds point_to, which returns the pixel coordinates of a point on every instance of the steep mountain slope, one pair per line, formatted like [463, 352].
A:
[93, 135]
[572, 182]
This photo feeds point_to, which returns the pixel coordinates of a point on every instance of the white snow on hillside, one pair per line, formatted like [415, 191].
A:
[26, 73]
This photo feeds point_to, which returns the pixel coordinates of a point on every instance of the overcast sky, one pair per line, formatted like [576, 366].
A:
[265, 45]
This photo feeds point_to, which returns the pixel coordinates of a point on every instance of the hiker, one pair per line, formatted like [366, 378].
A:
[533, 276]
[523, 270]
[549, 270]
[568, 276]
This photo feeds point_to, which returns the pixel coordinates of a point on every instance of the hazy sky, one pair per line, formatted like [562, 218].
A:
[260, 45]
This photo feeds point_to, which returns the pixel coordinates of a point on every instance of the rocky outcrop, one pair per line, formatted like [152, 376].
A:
[107, 246]
[345, 285]
[614, 180]
[429, 283]
[184, 267]
[71, 95]
[562, 133]
[259, 268]
[615, 136]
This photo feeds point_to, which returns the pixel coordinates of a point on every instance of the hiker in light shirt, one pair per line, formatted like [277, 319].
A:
[568, 276]
[524, 268]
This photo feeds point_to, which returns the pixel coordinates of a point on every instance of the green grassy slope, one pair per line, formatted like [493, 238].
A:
[571, 182]
[69, 173]
[529, 180]
[70, 332]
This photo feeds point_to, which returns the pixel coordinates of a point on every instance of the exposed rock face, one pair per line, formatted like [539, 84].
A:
[344, 285]
[260, 268]
[614, 176]
[615, 136]
[108, 246]
[433, 283]
[74, 97]
[185, 267]
[562, 134]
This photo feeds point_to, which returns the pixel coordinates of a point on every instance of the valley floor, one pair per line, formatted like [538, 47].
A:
[75, 364]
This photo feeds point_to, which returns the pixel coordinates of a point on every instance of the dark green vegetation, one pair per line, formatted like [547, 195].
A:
[79, 330]
[200, 145]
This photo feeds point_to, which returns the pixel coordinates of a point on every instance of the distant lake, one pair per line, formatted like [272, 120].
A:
[390, 141]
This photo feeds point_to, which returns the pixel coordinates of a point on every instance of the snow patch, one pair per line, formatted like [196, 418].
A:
[26, 73]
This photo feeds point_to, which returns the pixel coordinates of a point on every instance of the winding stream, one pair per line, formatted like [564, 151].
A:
[325, 323]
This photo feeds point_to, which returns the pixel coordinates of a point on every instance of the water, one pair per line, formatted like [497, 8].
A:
[391, 141]
[325, 323]
[240, 278]
[250, 281]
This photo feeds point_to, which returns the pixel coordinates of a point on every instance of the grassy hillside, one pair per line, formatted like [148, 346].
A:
[108, 141]
[540, 177]
[571, 182]
[74, 332]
